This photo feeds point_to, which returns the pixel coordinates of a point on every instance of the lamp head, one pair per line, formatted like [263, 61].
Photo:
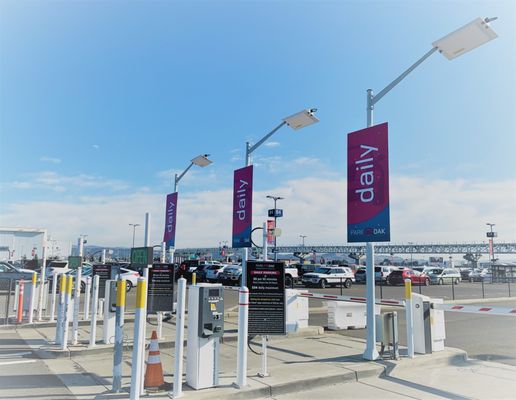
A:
[202, 160]
[302, 119]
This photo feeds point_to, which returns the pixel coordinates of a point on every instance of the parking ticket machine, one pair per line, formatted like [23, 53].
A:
[205, 328]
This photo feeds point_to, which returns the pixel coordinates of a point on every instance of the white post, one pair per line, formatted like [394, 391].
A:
[68, 300]
[119, 335]
[60, 308]
[94, 310]
[87, 296]
[264, 256]
[100, 309]
[371, 353]
[159, 316]
[76, 305]
[42, 277]
[163, 257]
[264, 372]
[109, 317]
[180, 336]
[139, 340]
[146, 277]
[243, 314]
[32, 296]
[53, 298]
[103, 257]
[410, 318]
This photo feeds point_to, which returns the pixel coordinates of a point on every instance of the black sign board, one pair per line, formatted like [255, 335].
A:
[160, 294]
[141, 256]
[276, 212]
[104, 273]
[266, 283]
[491, 234]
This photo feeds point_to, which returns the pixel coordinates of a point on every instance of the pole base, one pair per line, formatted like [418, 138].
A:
[371, 354]
[262, 375]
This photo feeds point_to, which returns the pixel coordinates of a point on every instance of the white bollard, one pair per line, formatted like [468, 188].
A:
[243, 315]
[139, 339]
[76, 305]
[119, 335]
[66, 322]
[32, 297]
[60, 308]
[409, 318]
[94, 306]
[180, 337]
[264, 372]
[87, 293]
[100, 308]
[53, 297]
[108, 331]
[159, 316]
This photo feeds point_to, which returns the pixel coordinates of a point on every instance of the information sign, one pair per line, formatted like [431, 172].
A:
[141, 256]
[74, 262]
[276, 212]
[104, 273]
[160, 294]
[266, 283]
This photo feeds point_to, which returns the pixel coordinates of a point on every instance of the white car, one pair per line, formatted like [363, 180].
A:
[213, 272]
[328, 276]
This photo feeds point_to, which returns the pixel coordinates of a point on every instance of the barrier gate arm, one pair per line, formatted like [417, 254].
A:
[384, 302]
[503, 311]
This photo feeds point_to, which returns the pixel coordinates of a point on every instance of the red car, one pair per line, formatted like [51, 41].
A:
[398, 277]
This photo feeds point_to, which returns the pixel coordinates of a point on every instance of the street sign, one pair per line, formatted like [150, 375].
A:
[491, 234]
[74, 262]
[160, 294]
[276, 212]
[266, 283]
[141, 256]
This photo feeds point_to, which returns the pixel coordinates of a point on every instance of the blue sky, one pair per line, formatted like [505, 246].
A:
[102, 101]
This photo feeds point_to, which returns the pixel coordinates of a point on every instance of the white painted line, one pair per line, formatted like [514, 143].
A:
[17, 362]
[9, 355]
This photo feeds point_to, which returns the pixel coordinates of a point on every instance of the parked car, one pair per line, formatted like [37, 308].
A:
[9, 272]
[478, 275]
[440, 276]
[382, 273]
[231, 275]
[417, 278]
[212, 272]
[327, 276]
[360, 275]
[305, 268]
[465, 273]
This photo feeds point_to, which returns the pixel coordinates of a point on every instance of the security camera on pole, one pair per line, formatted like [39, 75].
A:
[368, 208]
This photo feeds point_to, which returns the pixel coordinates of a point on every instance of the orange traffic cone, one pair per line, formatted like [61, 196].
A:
[154, 372]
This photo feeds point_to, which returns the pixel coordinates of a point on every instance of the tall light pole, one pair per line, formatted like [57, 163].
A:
[411, 250]
[303, 238]
[296, 121]
[275, 198]
[200, 161]
[134, 230]
[491, 235]
[453, 45]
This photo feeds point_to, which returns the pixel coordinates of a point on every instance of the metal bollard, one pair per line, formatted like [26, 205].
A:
[453, 288]
[76, 305]
[53, 297]
[87, 299]
[20, 301]
[66, 322]
[194, 278]
[32, 297]
[60, 309]
[94, 306]
[119, 335]
[180, 337]
[139, 339]
[243, 315]
[409, 318]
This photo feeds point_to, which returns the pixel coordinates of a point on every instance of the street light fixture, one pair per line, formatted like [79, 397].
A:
[134, 230]
[275, 198]
[201, 161]
[455, 44]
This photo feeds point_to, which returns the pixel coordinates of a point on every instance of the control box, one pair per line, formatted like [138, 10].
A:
[211, 312]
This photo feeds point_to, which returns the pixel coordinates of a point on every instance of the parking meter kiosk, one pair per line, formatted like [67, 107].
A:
[205, 328]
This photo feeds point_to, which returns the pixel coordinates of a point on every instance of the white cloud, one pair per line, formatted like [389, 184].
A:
[272, 144]
[422, 210]
[53, 160]
[95, 146]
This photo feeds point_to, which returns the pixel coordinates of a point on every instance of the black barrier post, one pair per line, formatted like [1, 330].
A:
[340, 286]
[292, 283]
[509, 285]
[381, 286]
[453, 288]
[8, 303]
[420, 284]
[483, 294]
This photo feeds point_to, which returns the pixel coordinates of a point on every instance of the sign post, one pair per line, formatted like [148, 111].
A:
[368, 206]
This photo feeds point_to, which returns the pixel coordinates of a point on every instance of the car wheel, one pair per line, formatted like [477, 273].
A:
[427, 282]
[323, 284]
[347, 283]
[128, 285]
[288, 281]
[440, 281]
[457, 281]
[83, 287]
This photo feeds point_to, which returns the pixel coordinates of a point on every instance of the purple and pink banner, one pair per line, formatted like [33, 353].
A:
[169, 236]
[368, 185]
[242, 206]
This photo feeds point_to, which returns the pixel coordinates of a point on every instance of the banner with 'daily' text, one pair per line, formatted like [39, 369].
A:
[169, 237]
[242, 206]
[368, 185]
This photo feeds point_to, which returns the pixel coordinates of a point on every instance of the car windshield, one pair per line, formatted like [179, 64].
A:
[435, 271]
[323, 270]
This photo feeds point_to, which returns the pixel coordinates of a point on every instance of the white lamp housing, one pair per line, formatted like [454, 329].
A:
[464, 39]
[301, 119]
[202, 160]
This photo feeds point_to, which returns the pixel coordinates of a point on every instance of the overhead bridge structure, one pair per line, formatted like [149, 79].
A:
[390, 249]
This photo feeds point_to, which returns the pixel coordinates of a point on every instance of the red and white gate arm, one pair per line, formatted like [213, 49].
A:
[508, 312]
[385, 302]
